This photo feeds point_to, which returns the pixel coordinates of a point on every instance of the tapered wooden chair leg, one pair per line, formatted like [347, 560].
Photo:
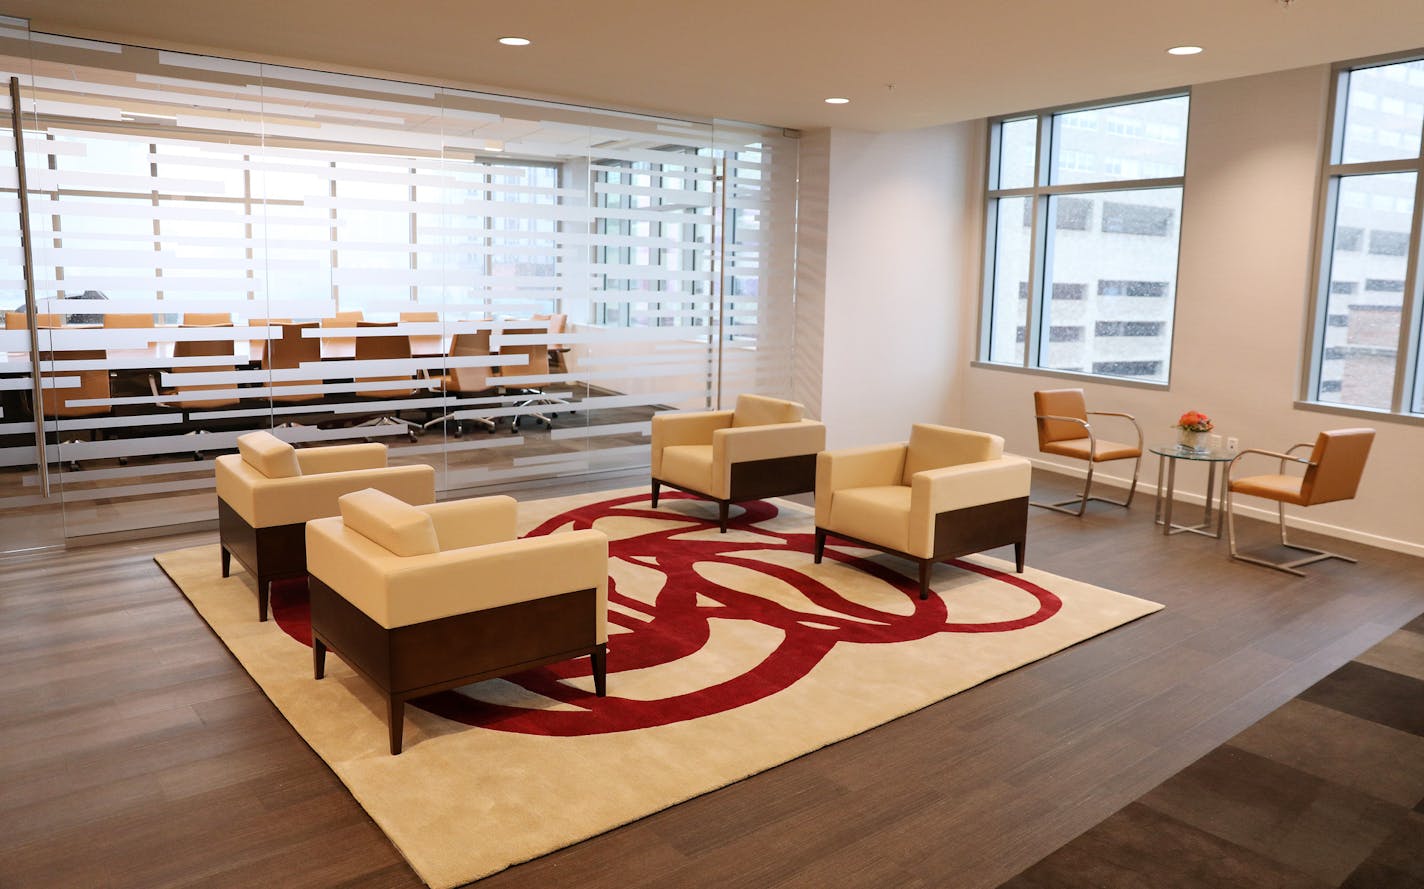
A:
[395, 717]
[600, 670]
[820, 545]
[925, 566]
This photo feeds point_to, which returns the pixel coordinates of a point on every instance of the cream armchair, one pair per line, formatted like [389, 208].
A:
[945, 493]
[419, 599]
[763, 448]
[268, 491]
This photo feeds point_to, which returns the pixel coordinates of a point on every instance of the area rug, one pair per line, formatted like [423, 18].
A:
[728, 654]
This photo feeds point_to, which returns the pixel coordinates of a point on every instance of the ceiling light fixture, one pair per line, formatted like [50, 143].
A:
[837, 100]
[514, 41]
[1184, 50]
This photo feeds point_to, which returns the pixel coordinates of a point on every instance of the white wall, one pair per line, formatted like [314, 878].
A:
[1252, 164]
[901, 207]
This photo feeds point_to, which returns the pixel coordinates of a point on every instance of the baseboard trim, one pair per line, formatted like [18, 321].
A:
[1264, 513]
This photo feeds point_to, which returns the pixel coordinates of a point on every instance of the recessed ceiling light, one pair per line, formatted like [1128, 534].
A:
[837, 100]
[1184, 50]
[514, 41]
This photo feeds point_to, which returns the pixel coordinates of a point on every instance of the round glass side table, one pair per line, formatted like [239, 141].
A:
[1167, 457]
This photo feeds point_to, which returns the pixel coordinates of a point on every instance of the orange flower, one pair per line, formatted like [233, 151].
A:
[1195, 421]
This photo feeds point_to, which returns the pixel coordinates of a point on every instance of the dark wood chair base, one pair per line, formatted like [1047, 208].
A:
[274, 553]
[755, 480]
[958, 532]
[420, 659]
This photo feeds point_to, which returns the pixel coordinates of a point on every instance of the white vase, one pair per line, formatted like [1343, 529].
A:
[1191, 441]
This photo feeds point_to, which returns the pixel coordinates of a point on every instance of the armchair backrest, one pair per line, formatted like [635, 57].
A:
[1339, 458]
[268, 454]
[759, 410]
[934, 447]
[1060, 403]
[389, 522]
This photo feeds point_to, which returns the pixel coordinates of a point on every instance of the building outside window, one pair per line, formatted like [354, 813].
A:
[1365, 343]
[1086, 247]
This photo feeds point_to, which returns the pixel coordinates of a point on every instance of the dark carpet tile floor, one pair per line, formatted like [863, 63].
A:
[1327, 791]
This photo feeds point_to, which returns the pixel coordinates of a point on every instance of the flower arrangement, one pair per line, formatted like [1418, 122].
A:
[1194, 421]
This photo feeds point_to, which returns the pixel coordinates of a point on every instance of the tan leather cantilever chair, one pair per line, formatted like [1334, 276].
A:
[1064, 430]
[1332, 472]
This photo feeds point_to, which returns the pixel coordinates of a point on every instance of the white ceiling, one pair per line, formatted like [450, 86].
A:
[771, 61]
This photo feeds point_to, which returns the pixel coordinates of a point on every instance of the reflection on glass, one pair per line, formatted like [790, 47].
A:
[1384, 112]
[1371, 236]
[1010, 287]
[1111, 283]
[1144, 140]
[1017, 145]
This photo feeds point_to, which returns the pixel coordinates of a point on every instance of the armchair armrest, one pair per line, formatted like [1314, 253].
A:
[933, 491]
[866, 467]
[465, 523]
[675, 428]
[339, 458]
[1129, 417]
[1284, 456]
[442, 584]
[742, 443]
[285, 501]
[970, 484]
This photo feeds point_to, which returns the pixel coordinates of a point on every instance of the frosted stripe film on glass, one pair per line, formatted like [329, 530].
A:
[222, 238]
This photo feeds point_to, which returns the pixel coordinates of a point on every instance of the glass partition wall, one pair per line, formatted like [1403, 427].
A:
[505, 289]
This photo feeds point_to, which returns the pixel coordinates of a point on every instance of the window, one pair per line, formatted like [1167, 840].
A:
[1367, 300]
[1070, 253]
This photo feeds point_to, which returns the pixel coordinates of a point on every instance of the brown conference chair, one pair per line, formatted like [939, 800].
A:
[341, 343]
[288, 351]
[467, 380]
[259, 355]
[1064, 430]
[387, 348]
[425, 343]
[59, 404]
[189, 397]
[20, 321]
[1332, 472]
[557, 324]
[128, 320]
[207, 319]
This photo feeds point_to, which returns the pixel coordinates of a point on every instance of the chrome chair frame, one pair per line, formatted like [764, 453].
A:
[1292, 566]
[1083, 498]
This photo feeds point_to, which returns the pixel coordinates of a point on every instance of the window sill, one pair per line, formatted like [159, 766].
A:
[1073, 375]
[1368, 413]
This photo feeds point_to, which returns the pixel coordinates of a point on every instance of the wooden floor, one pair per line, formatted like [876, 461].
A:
[135, 752]
[1327, 792]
